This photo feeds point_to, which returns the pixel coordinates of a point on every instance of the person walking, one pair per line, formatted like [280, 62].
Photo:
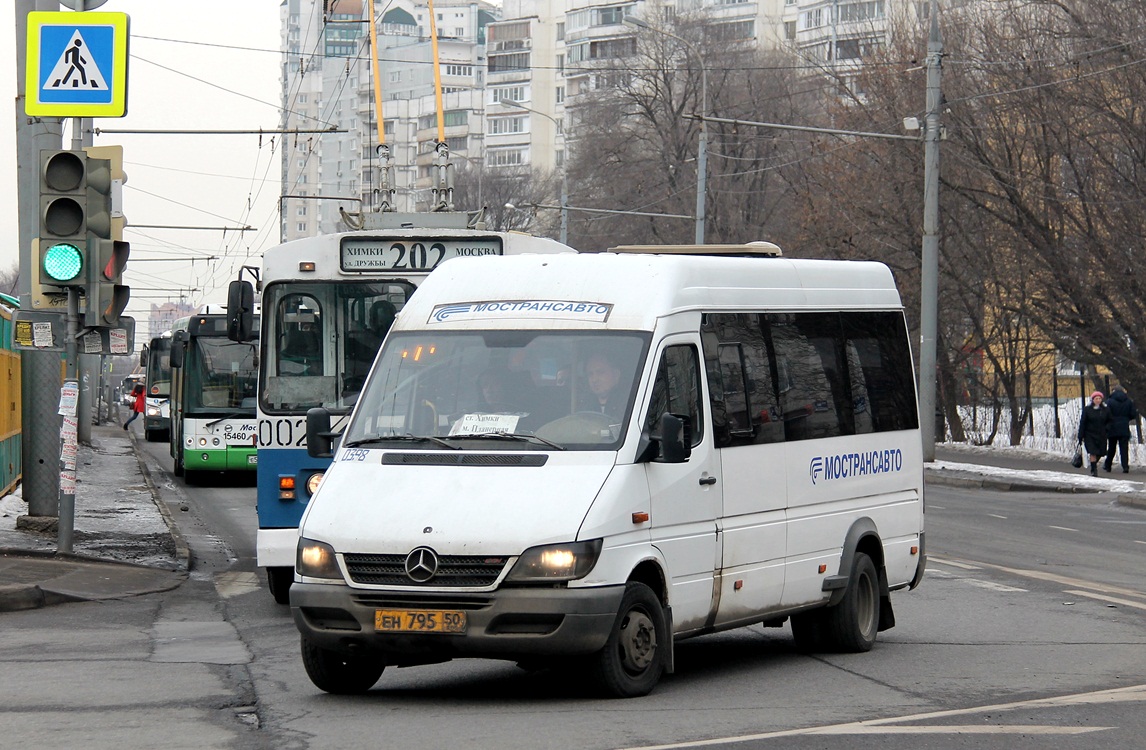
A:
[138, 405]
[1092, 429]
[1122, 413]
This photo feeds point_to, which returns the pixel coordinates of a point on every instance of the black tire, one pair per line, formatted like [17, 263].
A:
[279, 581]
[150, 436]
[851, 626]
[340, 674]
[178, 470]
[632, 660]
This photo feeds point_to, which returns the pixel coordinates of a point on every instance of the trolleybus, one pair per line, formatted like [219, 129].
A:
[157, 413]
[213, 382]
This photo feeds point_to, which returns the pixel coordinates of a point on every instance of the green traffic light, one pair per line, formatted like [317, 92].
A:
[63, 262]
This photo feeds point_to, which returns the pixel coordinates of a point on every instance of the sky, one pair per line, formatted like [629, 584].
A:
[208, 64]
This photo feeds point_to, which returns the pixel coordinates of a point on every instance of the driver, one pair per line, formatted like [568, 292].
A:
[603, 379]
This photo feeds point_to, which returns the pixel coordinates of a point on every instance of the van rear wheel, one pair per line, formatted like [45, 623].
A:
[851, 625]
[632, 660]
[340, 674]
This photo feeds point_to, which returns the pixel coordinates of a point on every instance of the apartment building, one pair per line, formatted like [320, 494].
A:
[508, 75]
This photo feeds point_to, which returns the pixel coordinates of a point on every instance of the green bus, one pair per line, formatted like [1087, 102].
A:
[213, 397]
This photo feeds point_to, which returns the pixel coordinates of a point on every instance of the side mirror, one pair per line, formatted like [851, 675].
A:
[177, 342]
[319, 441]
[240, 310]
[143, 357]
[676, 439]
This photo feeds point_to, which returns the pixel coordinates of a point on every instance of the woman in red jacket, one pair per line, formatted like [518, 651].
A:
[138, 406]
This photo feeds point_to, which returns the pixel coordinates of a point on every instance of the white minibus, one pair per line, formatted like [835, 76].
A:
[586, 458]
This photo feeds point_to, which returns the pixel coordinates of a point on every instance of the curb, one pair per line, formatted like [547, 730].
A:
[1137, 500]
[182, 551]
[951, 480]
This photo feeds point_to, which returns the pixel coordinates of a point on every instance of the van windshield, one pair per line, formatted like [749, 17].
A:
[573, 389]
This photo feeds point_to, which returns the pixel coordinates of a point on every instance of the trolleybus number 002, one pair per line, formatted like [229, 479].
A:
[391, 255]
[282, 433]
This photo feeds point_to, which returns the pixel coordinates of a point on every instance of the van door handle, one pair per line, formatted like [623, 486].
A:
[708, 480]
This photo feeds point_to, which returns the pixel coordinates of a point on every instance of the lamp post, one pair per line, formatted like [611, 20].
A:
[564, 237]
[702, 149]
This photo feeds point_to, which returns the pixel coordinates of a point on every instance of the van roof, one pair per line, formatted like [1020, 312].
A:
[638, 288]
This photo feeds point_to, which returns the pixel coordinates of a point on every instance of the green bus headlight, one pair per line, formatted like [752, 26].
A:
[63, 262]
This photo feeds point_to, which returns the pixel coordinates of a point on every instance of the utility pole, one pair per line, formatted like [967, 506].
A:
[929, 269]
[40, 371]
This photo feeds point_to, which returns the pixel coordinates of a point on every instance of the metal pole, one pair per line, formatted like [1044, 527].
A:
[40, 371]
[67, 518]
[929, 291]
[702, 153]
[564, 204]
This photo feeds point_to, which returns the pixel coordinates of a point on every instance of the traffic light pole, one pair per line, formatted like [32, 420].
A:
[40, 371]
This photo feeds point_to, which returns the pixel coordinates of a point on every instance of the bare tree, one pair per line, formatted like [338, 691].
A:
[476, 186]
[637, 139]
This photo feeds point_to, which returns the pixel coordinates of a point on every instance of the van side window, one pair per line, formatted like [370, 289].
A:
[879, 359]
[813, 390]
[741, 380]
[677, 390]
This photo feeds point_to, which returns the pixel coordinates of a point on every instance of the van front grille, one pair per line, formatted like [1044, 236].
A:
[453, 570]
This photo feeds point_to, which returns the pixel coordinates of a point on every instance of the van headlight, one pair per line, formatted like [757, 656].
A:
[555, 562]
[316, 560]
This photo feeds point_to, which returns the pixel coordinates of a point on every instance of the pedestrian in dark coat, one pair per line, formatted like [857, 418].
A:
[1122, 413]
[1092, 429]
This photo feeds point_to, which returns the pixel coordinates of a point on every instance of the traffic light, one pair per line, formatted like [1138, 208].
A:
[63, 218]
[107, 295]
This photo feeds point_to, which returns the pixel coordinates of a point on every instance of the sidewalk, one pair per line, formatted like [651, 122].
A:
[124, 542]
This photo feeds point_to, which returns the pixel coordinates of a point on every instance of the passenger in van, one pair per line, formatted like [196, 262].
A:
[603, 378]
[493, 388]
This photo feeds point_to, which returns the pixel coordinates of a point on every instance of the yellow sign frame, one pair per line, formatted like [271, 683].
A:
[111, 65]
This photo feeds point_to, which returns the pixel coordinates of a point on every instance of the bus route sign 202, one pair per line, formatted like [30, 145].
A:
[398, 255]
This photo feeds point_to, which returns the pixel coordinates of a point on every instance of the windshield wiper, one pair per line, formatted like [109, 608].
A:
[375, 439]
[514, 436]
[236, 415]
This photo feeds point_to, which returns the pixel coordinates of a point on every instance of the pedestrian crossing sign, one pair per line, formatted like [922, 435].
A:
[77, 64]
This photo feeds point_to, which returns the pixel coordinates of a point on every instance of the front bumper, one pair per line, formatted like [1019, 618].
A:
[510, 623]
[215, 459]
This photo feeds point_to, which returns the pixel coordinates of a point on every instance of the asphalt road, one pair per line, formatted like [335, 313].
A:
[1030, 616]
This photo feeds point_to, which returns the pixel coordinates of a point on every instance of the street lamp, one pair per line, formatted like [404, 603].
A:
[702, 149]
[564, 181]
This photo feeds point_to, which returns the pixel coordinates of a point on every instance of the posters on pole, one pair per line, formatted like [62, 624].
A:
[69, 396]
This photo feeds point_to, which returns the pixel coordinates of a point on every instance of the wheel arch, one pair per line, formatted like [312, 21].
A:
[863, 536]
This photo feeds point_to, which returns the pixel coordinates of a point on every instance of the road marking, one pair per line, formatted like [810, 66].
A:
[995, 515]
[1136, 541]
[894, 725]
[1034, 729]
[1040, 575]
[952, 563]
[1111, 599]
[1062, 528]
[992, 586]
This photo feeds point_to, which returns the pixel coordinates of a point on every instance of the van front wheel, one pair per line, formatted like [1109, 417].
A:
[338, 673]
[632, 660]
